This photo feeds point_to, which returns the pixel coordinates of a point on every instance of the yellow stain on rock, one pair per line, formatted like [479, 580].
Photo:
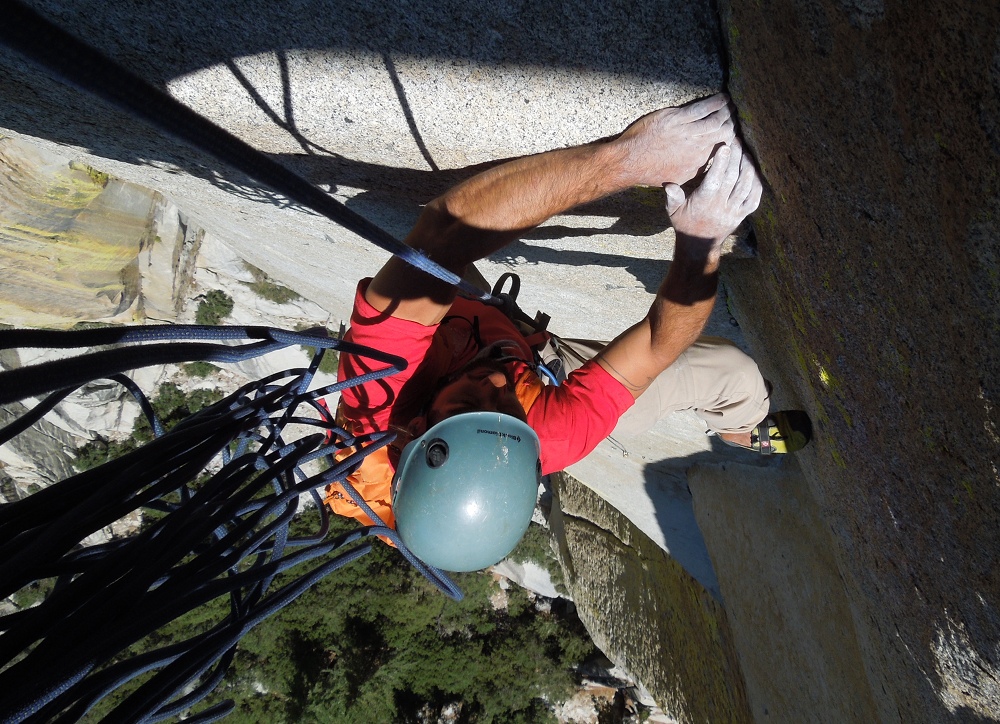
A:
[68, 235]
[824, 377]
[838, 458]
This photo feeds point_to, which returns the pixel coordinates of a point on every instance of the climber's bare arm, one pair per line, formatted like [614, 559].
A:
[488, 211]
[730, 191]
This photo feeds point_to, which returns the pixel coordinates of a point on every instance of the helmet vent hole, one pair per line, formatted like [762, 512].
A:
[437, 453]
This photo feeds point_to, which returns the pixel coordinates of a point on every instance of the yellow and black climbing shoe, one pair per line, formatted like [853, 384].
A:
[779, 433]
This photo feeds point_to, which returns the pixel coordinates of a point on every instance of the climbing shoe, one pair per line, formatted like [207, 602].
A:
[779, 433]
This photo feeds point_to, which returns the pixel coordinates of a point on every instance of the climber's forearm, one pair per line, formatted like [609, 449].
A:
[675, 319]
[487, 212]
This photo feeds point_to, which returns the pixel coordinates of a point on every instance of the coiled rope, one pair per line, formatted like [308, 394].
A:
[226, 534]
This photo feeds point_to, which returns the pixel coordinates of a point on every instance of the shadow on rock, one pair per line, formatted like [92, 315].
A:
[667, 488]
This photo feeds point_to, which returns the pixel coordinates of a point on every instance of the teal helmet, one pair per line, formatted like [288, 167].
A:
[465, 490]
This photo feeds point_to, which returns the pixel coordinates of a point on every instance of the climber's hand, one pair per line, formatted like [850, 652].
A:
[728, 194]
[671, 145]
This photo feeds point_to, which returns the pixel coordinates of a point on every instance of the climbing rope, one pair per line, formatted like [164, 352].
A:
[228, 479]
[223, 534]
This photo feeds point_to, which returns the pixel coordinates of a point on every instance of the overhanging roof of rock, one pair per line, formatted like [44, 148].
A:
[643, 38]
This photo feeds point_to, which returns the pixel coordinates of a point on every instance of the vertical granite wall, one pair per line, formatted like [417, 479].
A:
[648, 614]
[792, 623]
[386, 105]
[877, 127]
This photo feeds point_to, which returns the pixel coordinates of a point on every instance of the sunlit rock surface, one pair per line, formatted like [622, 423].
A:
[69, 239]
[80, 247]
[387, 105]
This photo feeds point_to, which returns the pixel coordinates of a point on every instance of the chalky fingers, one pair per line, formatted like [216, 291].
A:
[753, 198]
[705, 107]
[715, 176]
[745, 182]
[711, 124]
[732, 174]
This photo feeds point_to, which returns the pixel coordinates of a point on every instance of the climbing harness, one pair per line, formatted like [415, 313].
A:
[534, 328]
[508, 303]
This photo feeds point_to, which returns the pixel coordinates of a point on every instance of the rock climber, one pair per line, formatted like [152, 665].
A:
[474, 417]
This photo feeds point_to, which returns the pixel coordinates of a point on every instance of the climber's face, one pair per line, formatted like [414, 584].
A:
[484, 385]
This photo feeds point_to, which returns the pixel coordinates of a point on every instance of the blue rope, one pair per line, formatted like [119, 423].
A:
[228, 535]
[548, 373]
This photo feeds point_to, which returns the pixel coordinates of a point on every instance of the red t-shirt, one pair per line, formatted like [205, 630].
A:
[570, 419]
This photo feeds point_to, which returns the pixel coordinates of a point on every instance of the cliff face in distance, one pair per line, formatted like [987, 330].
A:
[875, 296]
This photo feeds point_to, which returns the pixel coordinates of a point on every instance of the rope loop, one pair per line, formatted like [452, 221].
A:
[226, 481]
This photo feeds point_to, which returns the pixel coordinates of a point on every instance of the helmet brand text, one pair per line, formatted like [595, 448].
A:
[501, 435]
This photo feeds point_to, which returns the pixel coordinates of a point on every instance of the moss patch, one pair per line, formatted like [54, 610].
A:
[266, 288]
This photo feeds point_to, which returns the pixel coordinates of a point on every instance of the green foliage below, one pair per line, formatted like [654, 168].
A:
[536, 547]
[216, 306]
[266, 288]
[171, 405]
[331, 359]
[376, 642]
[200, 369]
[33, 593]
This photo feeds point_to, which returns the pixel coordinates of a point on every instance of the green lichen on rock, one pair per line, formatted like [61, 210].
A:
[98, 177]
[267, 288]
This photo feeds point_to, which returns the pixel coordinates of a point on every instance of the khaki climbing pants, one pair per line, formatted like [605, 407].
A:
[712, 377]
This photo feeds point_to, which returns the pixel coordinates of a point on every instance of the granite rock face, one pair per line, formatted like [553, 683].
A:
[397, 85]
[642, 609]
[387, 105]
[785, 601]
[79, 245]
[872, 302]
[875, 293]
[67, 240]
